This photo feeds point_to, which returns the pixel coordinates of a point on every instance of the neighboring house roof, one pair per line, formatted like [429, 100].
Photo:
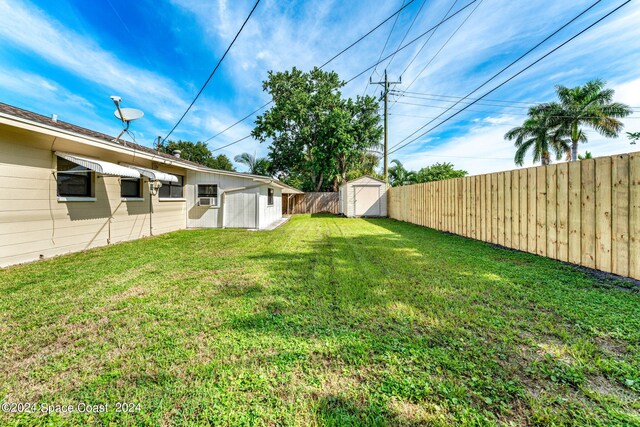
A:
[363, 177]
[12, 112]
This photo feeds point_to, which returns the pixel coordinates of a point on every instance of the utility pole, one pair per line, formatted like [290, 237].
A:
[385, 95]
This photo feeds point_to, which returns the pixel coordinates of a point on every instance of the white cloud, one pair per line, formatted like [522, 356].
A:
[30, 28]
[482, 148]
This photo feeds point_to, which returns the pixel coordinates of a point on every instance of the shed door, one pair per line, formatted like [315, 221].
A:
[240, 210]
[366, 200]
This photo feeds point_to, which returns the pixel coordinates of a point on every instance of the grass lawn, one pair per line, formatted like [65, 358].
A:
[324, 321]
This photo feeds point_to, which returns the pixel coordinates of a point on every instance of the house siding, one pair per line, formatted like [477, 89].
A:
[34, 223]
[269, 214]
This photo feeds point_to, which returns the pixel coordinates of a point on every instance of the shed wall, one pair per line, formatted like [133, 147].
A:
[348, 199]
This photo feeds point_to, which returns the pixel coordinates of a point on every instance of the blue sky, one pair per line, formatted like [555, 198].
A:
[68, 57]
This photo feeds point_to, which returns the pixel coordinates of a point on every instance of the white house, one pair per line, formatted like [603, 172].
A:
[65, 188]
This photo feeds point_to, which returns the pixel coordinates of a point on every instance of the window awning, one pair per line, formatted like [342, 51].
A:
[100, 166]
[154, 175]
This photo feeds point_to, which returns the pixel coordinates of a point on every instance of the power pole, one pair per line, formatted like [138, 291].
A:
[385, 95]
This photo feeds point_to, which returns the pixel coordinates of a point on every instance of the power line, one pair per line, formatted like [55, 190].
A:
[238, 122]
[415, 17]
[214, 71]
[412, 41]
[462, 101]
[521, 71]
[367, 34]
[462, 97]
[502, 123]
[387, 57]
[504, 68]
[427, 40]
[383, 48]
[444, 45]
[231, 143]
[480, 103]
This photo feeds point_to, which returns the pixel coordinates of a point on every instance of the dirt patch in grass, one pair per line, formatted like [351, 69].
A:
[610, 388]
[612, 347]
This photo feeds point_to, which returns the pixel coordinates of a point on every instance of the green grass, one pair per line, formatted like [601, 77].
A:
[324, 321]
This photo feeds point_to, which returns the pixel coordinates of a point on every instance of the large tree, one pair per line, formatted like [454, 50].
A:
[590, 106]
[399, 175]
[316, 135]
[221, 162]
[256, 165]
[439, 172]
[538, 135]
[197, 152]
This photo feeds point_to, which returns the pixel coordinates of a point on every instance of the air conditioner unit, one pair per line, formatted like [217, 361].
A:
[206, 201]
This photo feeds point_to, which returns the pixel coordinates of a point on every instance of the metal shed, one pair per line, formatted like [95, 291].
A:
[365, 196]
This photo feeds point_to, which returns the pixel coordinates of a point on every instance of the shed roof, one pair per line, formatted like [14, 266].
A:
[363, 177]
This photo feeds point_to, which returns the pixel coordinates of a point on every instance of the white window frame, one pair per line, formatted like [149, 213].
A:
[217, 197]
[273, 196]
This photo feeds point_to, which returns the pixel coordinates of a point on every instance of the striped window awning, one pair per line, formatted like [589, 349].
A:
[154, 175]
[100, 166]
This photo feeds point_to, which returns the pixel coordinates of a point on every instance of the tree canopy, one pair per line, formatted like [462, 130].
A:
[316, 135]
[256, 165]
[557, 127]
[399, 175]
[197, 152]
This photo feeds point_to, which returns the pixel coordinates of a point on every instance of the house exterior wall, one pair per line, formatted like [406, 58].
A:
[347, 199]
[245, 208]
[269, 214]
[210, 216]
[34, 223]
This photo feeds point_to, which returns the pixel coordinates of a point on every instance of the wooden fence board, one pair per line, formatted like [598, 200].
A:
[541, 210]
[524, 210]
[486, 215]
[562, 211]
[531, 219]
[620, 215]
[574, 211]
[500, 226]
[603, 213]
[494, 207]
[588, 219]
[552, 226]
[515, 209]
[507, 210]
[634, 215]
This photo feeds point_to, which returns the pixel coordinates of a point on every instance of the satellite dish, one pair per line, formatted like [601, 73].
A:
[128, 114]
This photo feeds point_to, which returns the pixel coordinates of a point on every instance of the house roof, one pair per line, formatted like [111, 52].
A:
[14, 112]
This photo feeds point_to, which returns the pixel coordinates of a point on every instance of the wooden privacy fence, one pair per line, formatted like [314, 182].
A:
[312, 203]
[585, 212]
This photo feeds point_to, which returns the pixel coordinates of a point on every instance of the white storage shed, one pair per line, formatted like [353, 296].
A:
[365, 196]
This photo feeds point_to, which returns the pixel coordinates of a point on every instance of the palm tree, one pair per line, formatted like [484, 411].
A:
[398, 175]
[590, 105]
[256, 165]
[537, 134]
